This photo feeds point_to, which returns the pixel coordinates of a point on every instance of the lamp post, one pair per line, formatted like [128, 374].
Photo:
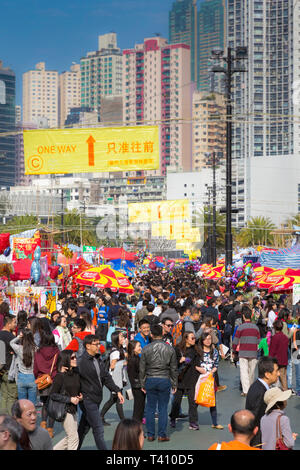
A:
[228, 70]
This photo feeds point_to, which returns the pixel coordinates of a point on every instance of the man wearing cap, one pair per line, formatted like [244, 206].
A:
[275, 399]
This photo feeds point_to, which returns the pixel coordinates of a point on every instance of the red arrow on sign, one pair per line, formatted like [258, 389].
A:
[90, 141]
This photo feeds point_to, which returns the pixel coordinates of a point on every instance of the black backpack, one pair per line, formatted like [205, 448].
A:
[81, 349]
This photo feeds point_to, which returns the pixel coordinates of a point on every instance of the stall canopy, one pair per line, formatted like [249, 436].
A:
[118, 253]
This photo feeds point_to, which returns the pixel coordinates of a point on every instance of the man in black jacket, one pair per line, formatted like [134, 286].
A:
[93, 377]
[268, 374]
[158, 374]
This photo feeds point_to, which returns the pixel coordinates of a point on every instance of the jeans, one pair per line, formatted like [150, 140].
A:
[91, 419]
[158, 394]
[297, 373]
[27, 387]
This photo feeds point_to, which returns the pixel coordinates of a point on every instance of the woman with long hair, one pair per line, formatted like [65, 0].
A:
[61, 333]
[45, 359]
[86, 316]
[25, 348]
[129, 435]
[22, 320]
[133, 369]
[66, 389]
[117, 365]
[36, 326]
[188, 355]
[208, 363]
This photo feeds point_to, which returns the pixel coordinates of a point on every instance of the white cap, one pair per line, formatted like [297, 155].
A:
[216, 293]
[200, 302]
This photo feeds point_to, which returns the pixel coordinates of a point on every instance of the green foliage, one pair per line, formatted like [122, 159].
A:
[77, 227]
[20, 224]
[257, 232]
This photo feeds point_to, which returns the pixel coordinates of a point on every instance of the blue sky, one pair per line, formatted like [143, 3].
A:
[60, 32]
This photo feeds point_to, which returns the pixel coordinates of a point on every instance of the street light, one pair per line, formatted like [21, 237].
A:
[228, 70]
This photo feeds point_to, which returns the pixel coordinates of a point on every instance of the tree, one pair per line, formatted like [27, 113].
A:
[20, 224]
[257, 232]
[78, 228]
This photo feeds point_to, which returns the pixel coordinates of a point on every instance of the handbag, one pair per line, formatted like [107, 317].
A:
[45, 380]
[280, 445]
[56, 409]
[206, 393]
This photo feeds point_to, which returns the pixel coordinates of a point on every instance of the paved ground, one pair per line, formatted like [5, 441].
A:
[184, 439]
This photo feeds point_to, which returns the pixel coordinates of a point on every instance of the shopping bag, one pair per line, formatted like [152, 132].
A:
[206, 393]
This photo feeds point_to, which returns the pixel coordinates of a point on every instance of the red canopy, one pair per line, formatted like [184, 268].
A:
[22, 270]
[118, 253]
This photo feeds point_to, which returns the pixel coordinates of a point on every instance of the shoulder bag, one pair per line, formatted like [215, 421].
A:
[45, 380]
[280, 445]
[56, 409]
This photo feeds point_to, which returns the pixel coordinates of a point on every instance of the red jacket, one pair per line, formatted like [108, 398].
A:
[43, 359]
[74, 346]
[279, 348]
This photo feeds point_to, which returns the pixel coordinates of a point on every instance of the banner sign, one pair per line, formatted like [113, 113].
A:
[158, 211]
[23, 248]
[56, 151]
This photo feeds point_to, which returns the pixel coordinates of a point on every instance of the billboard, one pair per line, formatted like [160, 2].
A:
[58, 151]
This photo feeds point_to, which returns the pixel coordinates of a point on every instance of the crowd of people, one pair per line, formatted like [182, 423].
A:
[175, 329]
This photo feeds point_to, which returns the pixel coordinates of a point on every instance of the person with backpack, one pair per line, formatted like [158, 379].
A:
[66, 389]
[117, 363]
[193, 323]
[79, 333]
[8, 387]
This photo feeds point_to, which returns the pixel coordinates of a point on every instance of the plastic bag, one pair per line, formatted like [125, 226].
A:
[205, 391]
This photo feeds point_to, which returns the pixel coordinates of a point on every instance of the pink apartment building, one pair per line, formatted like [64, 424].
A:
[157, 89]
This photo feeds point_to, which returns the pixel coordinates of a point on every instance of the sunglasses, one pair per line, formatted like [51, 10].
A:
[169, 326]
[73, 357]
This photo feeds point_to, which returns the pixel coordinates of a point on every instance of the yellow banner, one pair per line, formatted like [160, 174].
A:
[92, 150]
[158, 211]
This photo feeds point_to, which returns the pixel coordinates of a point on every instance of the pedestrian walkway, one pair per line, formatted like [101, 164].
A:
[182, 438]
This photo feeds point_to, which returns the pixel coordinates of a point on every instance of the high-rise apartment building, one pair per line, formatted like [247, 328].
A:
[203, 29]
[211, 35]
[40, 95]
[7, 125]
[69, 92]
[101, 72]
[157, 89]
[209, 128]
[266, 97]
[183, 29]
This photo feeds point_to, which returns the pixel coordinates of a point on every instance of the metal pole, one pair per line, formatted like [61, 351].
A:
[214, 194]
[228, 235]
[209, 230]
[62, 217]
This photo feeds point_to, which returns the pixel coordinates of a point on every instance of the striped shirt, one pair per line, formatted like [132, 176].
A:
[247, 337]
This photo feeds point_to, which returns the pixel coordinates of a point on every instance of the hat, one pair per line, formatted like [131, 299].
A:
[275, 394]
[200, 302]
[217, 293]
